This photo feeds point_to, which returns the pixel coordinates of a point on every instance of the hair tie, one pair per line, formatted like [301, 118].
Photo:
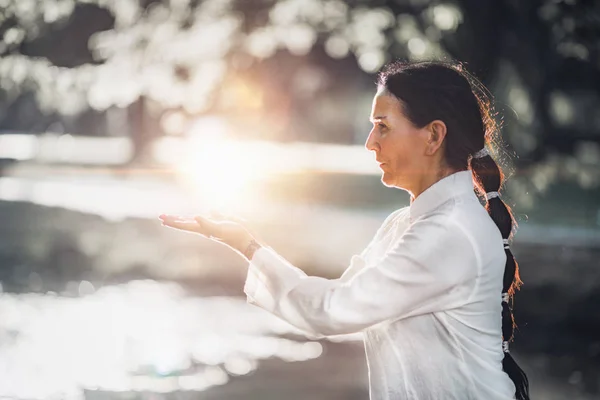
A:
[505, 297]
[505, 241]
[481, 153]
[491, 195]
[505, 347]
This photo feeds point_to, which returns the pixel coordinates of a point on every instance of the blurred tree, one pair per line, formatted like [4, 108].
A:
[540, 58]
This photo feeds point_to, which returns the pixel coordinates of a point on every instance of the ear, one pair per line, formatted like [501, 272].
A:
[436, 134]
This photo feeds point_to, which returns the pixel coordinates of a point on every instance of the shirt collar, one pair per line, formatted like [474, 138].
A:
[446, 188]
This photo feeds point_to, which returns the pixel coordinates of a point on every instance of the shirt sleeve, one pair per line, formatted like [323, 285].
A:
[431, 268]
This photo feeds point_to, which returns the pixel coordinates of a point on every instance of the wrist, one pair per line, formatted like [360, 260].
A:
[248, 246]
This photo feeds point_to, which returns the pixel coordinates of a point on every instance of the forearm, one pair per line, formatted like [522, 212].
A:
[307, 302]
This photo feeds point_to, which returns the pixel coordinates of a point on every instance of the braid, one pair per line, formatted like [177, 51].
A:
[488, 177]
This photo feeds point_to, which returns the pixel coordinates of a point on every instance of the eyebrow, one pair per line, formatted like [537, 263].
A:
[381, 117]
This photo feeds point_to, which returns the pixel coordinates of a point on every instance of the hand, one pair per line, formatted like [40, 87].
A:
[216, 227]
[224, 229]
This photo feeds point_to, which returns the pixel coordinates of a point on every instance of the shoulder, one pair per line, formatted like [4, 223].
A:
[440, 233]
[437, 227]
[455, 219]
[474, 222]
[438, 244]
[457, 230]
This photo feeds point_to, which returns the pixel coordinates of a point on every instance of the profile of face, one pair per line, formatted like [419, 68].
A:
[404, 152]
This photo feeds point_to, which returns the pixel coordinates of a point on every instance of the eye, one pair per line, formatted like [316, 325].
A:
[381, 126]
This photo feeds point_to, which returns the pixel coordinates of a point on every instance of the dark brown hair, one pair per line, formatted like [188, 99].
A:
[447, 92]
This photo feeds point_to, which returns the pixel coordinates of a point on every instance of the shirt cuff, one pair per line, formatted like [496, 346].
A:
[269, 279]
[255, 286]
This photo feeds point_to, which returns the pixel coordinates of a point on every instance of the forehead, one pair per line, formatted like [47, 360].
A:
[385, 105]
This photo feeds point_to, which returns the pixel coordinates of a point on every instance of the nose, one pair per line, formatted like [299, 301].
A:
[371, 144]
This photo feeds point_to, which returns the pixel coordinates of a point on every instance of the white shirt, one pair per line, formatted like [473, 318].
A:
[426, 293]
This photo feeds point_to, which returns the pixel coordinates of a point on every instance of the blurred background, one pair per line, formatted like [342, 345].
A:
[113, 112]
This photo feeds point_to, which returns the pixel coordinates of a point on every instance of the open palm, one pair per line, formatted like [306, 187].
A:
[220, 228]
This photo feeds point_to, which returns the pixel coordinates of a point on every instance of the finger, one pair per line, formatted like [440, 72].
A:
[189, 226]
[209, 227]
[176, 218]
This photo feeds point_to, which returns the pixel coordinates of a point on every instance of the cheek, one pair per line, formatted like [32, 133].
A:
[402, 150]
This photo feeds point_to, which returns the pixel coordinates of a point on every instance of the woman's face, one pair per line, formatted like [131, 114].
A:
[399, 146]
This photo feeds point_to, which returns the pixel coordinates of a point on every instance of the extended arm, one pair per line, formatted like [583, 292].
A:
[431, 268]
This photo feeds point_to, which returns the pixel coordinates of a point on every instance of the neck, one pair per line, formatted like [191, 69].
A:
[427, 179]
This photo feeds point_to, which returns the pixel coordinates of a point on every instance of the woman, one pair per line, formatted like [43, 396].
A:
[431, 291]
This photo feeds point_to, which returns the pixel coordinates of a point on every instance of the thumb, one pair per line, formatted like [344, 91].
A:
[207, 227]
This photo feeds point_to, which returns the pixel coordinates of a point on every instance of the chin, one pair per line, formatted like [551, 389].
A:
[387, 180]
[390, 180]
[387, 184]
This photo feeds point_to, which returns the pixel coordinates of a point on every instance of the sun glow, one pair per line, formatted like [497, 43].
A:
[218, 169]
